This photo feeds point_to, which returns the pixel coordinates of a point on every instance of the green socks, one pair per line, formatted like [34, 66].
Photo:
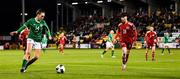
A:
[24, 63]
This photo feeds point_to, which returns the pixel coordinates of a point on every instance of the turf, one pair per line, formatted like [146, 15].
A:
[87, 64]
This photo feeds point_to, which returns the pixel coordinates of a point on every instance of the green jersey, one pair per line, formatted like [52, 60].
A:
[44, 40]
[110, 38]
[166, 39]
[36, 29]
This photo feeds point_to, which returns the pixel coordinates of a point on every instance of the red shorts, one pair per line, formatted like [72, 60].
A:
[128, 45]
[150, 44]
[62, 43]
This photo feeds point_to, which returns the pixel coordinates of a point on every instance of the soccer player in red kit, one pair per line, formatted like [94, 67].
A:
[150, 40]
[62, 41]
[23, 37]
[127, 35]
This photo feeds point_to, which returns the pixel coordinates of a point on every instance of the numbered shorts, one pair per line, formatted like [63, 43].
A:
[109, 45]
[36, 45]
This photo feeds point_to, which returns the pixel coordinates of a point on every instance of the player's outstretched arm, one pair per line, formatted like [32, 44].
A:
[21, 28]
[13, 33]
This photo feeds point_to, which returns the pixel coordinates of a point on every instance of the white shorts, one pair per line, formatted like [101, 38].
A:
[109, 45]
[166, 45]
[36, 45]
[44, 45]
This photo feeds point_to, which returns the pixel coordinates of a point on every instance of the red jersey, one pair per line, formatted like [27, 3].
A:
[62, 39]
[151, 37]
[127, 32]
[23, 35]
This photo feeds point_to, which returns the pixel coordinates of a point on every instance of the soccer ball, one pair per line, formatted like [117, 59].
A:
[60, 69]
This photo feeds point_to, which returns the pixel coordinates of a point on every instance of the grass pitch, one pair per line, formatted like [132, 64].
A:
[87, 64]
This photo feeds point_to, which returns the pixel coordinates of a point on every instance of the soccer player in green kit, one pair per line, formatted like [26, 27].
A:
[109, 44]
[36, 26]
[166, 41]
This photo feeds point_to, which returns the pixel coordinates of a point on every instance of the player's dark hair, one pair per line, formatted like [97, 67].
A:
[39, 11]
[124, 14]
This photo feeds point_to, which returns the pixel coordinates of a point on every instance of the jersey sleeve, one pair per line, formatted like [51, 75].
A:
[47, 29]
[26, 24]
